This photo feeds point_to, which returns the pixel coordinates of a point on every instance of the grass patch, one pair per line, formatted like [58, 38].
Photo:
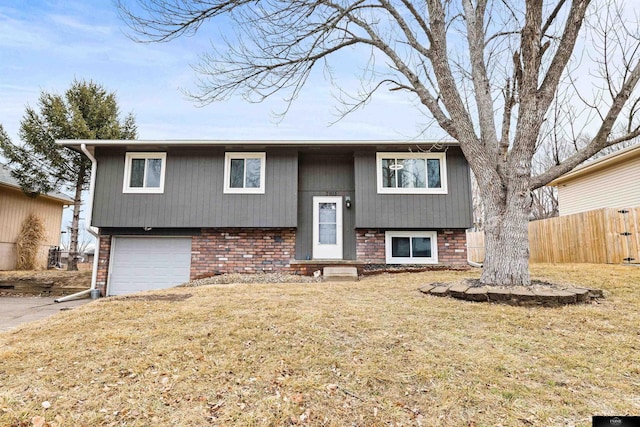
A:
[374, 352]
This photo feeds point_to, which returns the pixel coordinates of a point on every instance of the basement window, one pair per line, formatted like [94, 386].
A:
[411, 247]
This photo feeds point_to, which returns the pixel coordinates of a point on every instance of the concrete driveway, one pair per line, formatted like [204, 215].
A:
[15, 311]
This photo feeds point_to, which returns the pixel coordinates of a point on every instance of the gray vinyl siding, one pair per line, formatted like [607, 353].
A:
[325, 175]
[418, 211]
[193, 194]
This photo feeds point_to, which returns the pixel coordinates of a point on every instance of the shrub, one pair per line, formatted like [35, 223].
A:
[28, 243]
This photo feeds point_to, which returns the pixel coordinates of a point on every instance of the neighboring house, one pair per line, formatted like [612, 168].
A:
[81, 257]
[171, 211]
[87, 257]
[612, 181]
[15, 206]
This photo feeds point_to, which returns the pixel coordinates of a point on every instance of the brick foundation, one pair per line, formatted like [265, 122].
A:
[103, 264]
[253, 250]
[452, 246]
[370, 246]
[242, 250]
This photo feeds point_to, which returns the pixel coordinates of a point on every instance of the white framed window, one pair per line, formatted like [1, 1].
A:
[411, 247]
[144, 172]
[244, 172]
[411, 173]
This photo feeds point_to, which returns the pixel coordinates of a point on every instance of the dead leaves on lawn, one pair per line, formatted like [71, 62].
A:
[152, 297]
[369, 353]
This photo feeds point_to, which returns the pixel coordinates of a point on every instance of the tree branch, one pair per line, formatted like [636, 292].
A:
[482, 89]
[601, 140]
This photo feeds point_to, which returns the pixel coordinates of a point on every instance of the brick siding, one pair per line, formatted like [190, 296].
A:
[242, 250]
[104, 255]
[452, 246]
[238, 250]
[370, 246]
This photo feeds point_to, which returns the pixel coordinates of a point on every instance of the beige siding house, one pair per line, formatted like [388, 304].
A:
[612, 181]
[15, 206]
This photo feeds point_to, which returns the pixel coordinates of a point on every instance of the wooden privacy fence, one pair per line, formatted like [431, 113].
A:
[602, 236]
[475, 246]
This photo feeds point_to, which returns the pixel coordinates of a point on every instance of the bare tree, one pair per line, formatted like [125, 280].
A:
[487, 71]
[477, 205]
[84, 241]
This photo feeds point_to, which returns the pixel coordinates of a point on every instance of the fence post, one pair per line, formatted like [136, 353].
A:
[626, 236]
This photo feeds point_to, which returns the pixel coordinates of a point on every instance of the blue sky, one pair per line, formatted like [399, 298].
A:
[46, 44]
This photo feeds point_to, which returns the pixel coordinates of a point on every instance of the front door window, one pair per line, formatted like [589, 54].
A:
[327, 227]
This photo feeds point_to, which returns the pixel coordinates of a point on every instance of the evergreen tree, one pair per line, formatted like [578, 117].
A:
[86, 111]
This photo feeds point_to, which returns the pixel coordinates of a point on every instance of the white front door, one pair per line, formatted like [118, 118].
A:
[327, 228]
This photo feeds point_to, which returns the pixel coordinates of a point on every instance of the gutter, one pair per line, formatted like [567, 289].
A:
[75, 143]
[92, 230]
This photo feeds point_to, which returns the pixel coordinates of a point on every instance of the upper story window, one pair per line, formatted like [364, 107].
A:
[144, 172]
[244, 172]
[412, 173]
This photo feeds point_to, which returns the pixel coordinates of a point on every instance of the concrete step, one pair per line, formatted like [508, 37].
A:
[340, 274]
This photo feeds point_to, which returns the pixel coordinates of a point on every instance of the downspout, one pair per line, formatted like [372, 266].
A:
[473, 263]
[92, 230]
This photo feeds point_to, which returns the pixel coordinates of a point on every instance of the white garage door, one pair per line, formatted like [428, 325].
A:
[145, 263]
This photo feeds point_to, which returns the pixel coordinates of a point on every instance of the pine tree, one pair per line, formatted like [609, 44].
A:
[86, 111]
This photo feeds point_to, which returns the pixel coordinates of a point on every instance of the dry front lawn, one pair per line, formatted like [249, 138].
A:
[371, 353]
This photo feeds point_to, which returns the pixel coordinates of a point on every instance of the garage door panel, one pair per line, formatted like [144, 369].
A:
[146, 263]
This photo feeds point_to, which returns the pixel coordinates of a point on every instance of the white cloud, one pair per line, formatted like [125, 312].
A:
[15, 33]
[74, 24]
[51, 44]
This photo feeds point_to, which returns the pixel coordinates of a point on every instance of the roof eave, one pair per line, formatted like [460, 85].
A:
[599, 164]
[76, 143]
[61, 200]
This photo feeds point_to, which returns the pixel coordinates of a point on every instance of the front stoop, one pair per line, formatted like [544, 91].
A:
[340, 274]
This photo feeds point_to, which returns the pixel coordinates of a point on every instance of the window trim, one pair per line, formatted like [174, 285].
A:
[129, 156]
[244, 155]
[426, 156]
[388, 235]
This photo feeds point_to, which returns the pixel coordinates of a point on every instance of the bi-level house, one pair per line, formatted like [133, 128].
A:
[171, 211]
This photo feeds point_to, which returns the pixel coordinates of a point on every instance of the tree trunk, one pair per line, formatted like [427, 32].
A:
[72, 263]
[506, 231]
